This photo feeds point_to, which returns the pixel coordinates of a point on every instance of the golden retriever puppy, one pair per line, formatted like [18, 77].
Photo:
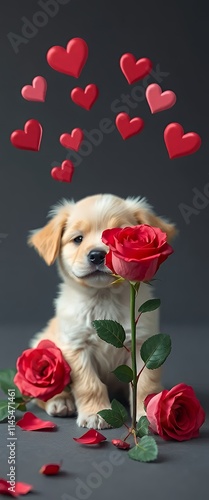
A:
[73, 238]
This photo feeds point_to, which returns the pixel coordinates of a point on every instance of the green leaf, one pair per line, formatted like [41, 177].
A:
[6, 407]
[145, 451]
[116, 416]
[21, 406]
[111, 417]
[123, 373]
[142, 427]
[3, 410]
[110, 331]
[149, 305]
[23, 400]
[120, 409]
[7, 381]
[155, 350]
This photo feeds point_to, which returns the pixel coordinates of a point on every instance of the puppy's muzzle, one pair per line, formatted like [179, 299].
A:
[96, 257]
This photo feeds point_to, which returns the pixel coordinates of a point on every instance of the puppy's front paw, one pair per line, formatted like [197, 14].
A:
[93, 421]
[60, 407]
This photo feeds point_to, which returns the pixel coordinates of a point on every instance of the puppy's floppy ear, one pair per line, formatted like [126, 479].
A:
[144, 214]
[47, 240]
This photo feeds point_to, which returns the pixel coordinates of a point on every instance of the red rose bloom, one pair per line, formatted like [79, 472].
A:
[136, 253]
[175, 414]
[42, 372]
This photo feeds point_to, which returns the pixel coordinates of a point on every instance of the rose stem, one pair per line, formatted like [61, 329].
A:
[127, 436]
[137, 319]
[140, 372]
[133, 353]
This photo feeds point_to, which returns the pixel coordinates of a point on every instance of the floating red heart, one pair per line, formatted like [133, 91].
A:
[85, 98]
[127, 126]
[36, 91]
[30, 138]
[158, 100]
[63, 173]
[70, 60]
[73, 140]
[180, 144]
[135, 70]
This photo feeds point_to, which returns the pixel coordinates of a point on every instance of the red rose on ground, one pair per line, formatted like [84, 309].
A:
[42, 372]
[136, 253]
[175, 414]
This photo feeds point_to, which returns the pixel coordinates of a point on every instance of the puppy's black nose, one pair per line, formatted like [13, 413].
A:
[96, 256]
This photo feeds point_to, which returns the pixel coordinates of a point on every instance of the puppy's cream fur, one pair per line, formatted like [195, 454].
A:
[86, 294]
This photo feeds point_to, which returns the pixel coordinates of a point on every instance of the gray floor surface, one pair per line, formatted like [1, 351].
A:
[101, 472]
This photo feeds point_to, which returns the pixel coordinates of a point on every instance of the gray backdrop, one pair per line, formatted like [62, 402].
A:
[174, 38]
[174, 35]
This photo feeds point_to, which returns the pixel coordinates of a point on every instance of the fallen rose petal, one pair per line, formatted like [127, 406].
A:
[50, 469]
[19, 488]
[121, 444]
[4, 485]
[30, 422]
[23, 488]
[90, 437]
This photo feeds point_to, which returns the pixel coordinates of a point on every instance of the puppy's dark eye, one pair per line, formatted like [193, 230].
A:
[78, 239]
